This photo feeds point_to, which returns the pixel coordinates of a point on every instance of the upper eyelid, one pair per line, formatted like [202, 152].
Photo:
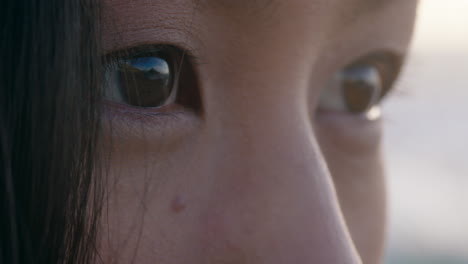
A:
[116, 56]
[380, 57]
[150, 50]
[388, 63]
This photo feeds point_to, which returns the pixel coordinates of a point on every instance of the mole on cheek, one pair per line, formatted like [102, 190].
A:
[178, 204]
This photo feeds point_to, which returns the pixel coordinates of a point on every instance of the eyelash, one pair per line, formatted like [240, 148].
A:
[182, 70]
[381, 67]
[386, 63]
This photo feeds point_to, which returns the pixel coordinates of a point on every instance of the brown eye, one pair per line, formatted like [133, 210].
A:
[147, 81]
[359, 87]
[356, 89]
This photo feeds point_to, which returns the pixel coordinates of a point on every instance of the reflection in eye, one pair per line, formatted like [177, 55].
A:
[356, 89]
[142, 82]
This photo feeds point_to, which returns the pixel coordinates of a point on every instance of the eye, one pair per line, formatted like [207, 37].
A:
[358, 88]
[146, 80]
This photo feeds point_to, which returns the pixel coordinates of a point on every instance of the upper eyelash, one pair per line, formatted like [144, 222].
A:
[114, 57]
[389, 65]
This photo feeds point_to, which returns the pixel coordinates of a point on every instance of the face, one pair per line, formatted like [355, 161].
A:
[247, 131]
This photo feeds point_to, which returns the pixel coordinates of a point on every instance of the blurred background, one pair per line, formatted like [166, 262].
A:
[426, 142]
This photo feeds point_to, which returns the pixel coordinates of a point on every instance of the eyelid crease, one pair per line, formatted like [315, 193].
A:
[113, 57]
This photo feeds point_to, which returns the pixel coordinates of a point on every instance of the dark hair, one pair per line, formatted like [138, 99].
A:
[49, 89]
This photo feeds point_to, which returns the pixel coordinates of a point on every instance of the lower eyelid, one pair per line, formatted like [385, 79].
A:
[146, 116]
[372, 115]
[135, 127]
[355, 131]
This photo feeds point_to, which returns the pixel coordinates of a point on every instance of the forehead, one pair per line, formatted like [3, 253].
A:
[252, 10]
[128, 23]
[249, 6]
[265, 4]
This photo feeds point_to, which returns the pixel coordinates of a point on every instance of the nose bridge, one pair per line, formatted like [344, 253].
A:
[273, 200]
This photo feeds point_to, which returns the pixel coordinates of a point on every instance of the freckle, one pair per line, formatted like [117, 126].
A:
[178, 204]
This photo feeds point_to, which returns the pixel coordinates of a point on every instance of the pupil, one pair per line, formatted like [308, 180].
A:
[361, 88]
[146, 81]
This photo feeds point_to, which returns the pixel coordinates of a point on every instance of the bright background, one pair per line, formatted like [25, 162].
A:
[427, 142]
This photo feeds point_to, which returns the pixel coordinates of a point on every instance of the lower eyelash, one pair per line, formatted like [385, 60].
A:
[148, 116]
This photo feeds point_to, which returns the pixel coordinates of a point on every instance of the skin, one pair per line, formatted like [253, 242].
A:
[260, 175]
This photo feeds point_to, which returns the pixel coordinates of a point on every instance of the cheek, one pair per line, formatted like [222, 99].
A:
[351, 147]
[150, 184]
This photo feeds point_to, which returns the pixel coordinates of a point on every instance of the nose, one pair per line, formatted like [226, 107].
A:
[272, 199]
